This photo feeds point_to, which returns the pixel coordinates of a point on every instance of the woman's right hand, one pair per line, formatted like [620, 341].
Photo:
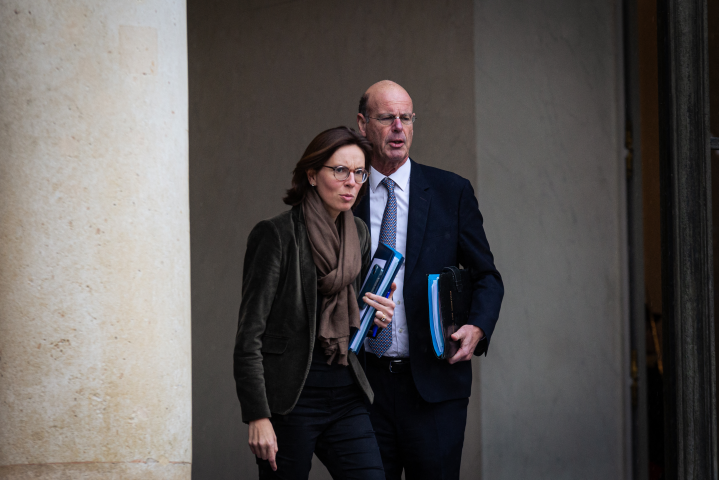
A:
[263, 441]
[384, 307]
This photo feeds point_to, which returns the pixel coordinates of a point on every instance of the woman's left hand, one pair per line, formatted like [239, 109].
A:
[385, 307]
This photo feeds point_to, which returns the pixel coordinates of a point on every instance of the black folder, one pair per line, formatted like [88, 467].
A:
[450, 301]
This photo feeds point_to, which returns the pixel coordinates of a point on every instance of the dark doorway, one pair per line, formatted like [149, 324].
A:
[644, 212]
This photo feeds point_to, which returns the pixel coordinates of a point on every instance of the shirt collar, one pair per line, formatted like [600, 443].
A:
[400, 177]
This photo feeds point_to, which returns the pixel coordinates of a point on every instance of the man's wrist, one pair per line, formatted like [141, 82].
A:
[481, 332]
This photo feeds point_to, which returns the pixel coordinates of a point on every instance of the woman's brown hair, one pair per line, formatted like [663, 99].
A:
[320, 149]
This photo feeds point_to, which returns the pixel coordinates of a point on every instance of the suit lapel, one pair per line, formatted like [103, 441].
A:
[420, 197]
[308, 271]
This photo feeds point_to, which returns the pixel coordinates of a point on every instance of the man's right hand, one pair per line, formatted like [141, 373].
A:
[263, 441]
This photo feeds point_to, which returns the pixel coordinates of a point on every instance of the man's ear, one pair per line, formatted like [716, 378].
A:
[362, 124]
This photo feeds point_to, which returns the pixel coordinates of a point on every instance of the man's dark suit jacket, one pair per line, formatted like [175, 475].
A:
[444, 228]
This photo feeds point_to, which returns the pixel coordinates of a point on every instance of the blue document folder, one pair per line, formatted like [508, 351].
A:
[435, 316]
[389, 262]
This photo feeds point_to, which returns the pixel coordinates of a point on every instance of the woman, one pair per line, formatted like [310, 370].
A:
[300, 389]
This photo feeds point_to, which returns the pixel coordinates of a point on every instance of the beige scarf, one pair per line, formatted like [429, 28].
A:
[339, 262]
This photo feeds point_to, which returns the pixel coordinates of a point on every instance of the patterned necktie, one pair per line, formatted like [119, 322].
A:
[388, 236]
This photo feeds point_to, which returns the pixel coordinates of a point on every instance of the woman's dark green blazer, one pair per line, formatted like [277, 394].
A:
[276, 332]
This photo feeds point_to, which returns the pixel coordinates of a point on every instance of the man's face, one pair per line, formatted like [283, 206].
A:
[391, 142]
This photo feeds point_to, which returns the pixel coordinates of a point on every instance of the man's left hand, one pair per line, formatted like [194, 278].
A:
[469, 336]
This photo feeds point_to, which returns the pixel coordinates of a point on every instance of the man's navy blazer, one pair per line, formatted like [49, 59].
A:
[444, 228]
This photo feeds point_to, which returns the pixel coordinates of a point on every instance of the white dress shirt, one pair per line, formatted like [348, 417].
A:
[378, 195]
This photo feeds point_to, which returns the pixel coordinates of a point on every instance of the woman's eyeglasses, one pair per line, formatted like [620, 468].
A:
[342, 173]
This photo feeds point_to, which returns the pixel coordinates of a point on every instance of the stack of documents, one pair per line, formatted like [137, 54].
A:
[384, 267]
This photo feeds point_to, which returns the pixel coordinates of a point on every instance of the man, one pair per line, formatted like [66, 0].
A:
[431, 216]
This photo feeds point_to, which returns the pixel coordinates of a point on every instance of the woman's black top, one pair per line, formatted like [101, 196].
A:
[321, 374]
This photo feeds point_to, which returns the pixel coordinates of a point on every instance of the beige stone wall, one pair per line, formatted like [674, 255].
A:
[94, 240]
[97, 470]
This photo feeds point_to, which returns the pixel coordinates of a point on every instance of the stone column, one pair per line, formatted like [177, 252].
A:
[95, 372]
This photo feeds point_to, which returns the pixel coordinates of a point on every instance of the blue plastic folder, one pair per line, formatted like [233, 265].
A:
[389, 261]
[435, 317]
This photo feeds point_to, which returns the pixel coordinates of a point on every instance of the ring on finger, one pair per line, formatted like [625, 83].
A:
[384, 318]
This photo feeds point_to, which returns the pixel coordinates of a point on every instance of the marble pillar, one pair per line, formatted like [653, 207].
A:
[95, 371]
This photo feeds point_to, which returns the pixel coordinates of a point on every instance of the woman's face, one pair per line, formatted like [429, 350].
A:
[338, 195]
